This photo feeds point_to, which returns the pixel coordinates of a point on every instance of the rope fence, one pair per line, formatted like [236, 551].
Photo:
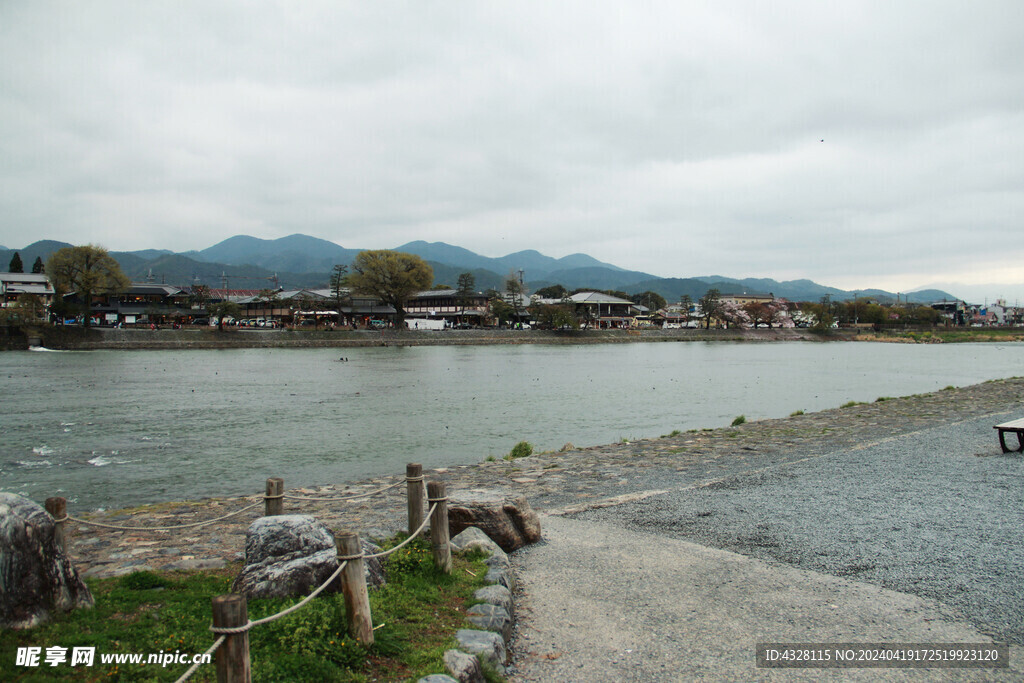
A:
[231, 624]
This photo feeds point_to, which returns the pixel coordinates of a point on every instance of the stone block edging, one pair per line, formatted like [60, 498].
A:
[494, 616]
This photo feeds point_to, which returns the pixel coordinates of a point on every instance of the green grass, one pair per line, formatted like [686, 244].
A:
[738, 420]
[850, 404]
[417, 614]
[523, 449]
[796, 413]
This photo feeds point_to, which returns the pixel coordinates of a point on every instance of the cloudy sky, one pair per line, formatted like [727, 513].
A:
[859, 144]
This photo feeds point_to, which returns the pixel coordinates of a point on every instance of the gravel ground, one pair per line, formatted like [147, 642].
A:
[938, 514]
[599, 602]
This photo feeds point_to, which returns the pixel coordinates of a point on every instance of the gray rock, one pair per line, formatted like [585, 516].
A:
[37, 578]
[505, 518]
[496, 595]
[437, 678]
[373, 567]
[491, 618]
[501, 576]
[286, 535]
[463, 668]
[472, 538]
[498, 561]
[289, 575]
[485, 644]
[288, 555]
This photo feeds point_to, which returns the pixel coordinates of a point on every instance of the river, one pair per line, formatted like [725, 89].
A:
[119, 428]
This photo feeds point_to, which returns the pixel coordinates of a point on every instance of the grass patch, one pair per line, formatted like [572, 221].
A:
[796, 413]
[674, 432]
[850, 404]
[522, 449]
[738, 420]
[883, 399]
[420, 610]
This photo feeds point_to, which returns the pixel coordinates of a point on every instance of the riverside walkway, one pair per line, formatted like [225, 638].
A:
[700, 497]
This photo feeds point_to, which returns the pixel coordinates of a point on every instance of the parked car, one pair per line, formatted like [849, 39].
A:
[201, 321]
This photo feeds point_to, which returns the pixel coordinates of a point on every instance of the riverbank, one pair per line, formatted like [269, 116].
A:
[567, 481]
[73, 338]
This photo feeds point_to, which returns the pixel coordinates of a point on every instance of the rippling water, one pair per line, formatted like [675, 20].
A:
[117, 428]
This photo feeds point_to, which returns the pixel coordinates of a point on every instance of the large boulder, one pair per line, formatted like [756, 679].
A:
[36, 577]
[287, 555]
[505, 518]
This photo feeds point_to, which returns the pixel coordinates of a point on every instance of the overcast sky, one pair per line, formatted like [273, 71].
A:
[859, 144]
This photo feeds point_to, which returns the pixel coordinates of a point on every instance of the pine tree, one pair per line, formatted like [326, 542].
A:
[38, 266]
[16, 266]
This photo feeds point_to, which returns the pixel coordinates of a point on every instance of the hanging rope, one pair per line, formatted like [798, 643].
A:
[157, 528]
[195, 666]
[413, 535]
[336, 500]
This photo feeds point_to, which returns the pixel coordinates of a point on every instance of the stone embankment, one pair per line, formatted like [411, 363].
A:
[556, 483]
[210, 338]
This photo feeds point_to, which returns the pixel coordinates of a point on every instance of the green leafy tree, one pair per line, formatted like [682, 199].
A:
[464, 290]
[37, 266]
[89, 271]
[552, 292]
[710, 306]
[392, 277]
[16, 264]
[555, 316]
[224, 309]
[339, 288]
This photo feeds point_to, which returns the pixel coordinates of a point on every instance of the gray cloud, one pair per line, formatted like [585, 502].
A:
[857, 144]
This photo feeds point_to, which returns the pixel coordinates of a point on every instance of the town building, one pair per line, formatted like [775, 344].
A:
[15, 286]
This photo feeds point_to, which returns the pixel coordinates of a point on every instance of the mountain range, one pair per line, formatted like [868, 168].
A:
[301, 261]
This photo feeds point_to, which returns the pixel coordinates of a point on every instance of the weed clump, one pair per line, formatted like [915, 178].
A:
[740, 419]
[522, 449]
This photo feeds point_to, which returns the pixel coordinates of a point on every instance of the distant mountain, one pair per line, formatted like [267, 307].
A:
[534, 264]
[596, 277]
[483, 279]
[41, 249]
[182, 271]
[295, 253]
[302, 261]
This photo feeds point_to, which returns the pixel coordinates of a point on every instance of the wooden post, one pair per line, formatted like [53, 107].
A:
[414, 484]
[58, 509]
[274, 503]
[439, 526]
[353, 587]
[232, 658]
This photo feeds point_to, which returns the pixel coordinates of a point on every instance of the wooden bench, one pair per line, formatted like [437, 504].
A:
[1017, 427]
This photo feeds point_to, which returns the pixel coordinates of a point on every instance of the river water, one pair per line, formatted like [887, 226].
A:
[118, 428]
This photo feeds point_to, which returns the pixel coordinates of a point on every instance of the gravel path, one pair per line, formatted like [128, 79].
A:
[914, 538]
